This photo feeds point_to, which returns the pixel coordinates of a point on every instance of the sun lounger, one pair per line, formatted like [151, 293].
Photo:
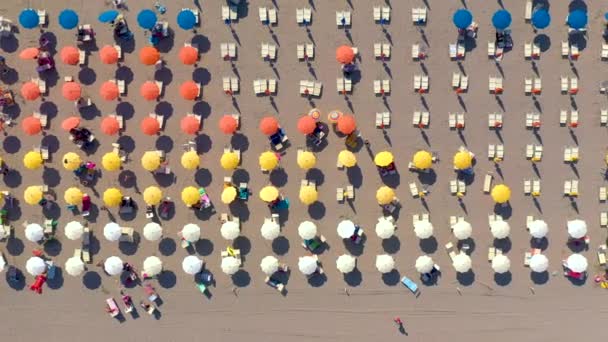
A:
[565, 49]
[487, 183]
[228, 51]
[527, 86]
[126, 234]
[453, 51]
[414, 190]
[449, 247]
[491, 50]
[527, 187]
[538, 152]
[340, 194]
[350, 192]
[602, 194]
[601, 255]
[604, 53]
[491, 253]
[573, 118]
[528, 11]
[537, 88]
[603, 219]
[419, 15]
[564, 84]
[113, 309]
[343, 19]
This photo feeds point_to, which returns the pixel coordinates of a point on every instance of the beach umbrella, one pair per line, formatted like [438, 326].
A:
[153, 231]
[230, 265]
[146, 19]
[34, 232]
[307, 265]
[539, 263]
[31, 125]
[538, 229]
[152, 266]
[153, 195]
[150, 161]
[307, 230]
[577, 19]
[424, 264]
[385, 228]
[192, 265]
[577, 229]
[190, 160]
[463, 160]
[577, 263]
[149, 91]
[269, 125]
[306, 124]
[345, 54]
[188, 55]
[385, 263]
[112, 197]
[73, 196]
[109, 91]
[501, 193]
[308, 194]
[191, 232]
[35, 266]
[346, 124]
[70, 55]
[28, 18]
[384, 159]
[186, 19]
[228, 124]
[74, 266]
[270, 230]
[501, 19]
[32, 160]
[269, 193]
[500, 229]
[111, 161]
[423, 160]
[32, 195]
[30, 91]
[346, 229]
[189, 90]
[29, 53]
[71, 91]
[108, 54]
[423, 229]
[190, 196]
[70, 123]
[541, 19]
[462, 230]
[347, 158]
[229, 161]
[149, 55]
[269, 265]
[149, 126]
[501, 264]
[189, 125]
[68, 19]
[462, 19]
[385, 195]
[112, 231]
[71, 161]
[108, 16]
[230, 230]
[113, 266]
[346, 263]
[306, 160]
[462, 263]
[73, 230]
[228, 195]
[334, 115]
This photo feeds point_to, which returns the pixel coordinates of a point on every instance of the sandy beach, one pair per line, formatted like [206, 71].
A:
[359, 307]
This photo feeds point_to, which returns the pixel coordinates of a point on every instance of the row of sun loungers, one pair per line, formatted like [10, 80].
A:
[345, 193]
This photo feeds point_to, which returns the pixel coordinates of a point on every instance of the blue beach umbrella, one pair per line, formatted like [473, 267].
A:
[28, 18]
[462, 18]
[146, 19]
[186, 19]
[68, 19]
[108, 16]
[501, 19]
[577, 19]
[541, 19]
[606, 15]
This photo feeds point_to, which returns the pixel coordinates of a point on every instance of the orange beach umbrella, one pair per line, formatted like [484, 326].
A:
[70, 55]
[149, 91]
[71, 91]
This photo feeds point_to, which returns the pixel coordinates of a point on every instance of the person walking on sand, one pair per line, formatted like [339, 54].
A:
[398, 321]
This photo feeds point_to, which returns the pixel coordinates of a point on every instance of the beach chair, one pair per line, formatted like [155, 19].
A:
[603, 219]
[417, 83]
[343, 19]
[452, 120]
[382, 50]
[563, 117]
[382, 87]
[491, 50]
[455, 80]
[527, 187]
[42, 18]
[574, 51]
[564, 84]
[340, 195]
[460, 50]
[573, 118]
[416, 118]
[453, 187]
[574, 190]
[527, 50]
[528, 86]
[535, 188]
[82, 57]
[487, 183]
[453, 50]
[604, 53]
[449, 247]
[491, 253]
[528, 11]
[350, 192]
[113, 309]
[491, 151]
[602, 194]
[565, 49]
[601, 255]
[419, 16]
[424, 84]
[573, 86]
[537, 88]
[567, 187]
[414, 190]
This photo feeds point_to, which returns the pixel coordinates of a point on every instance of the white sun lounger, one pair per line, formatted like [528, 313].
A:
[382, 14]
[494, 120]
[528, 11]
[382, 87]
[563, 117]
[228, 50]
[565, 49]
[487, 183]
[527, 86]
[414, 190]
[491, 49]
[603, 116]
[604, 53]
[305, 51]
[419, 15]
[603, 194]
[574, 117]
[343, 19]
[382, 50]
[344, 85]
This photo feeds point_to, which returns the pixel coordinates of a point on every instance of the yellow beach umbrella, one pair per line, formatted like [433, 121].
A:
[347, 158]
[32, 160]
[112, 197]
[384, 159]
[423, 160]
[269, 193]
[501, 193]
[71, 161]
[229, 161]
[228, 194]
[111, 161]
[306, 160]
[150, 161]
[32, 194]
[190, 160]
[190, 196]
[308, 194]
[73, 196]
[385, 195]
[268, 161]
[463, 160]
[153, 195]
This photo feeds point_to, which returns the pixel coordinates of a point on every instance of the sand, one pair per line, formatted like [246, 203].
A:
[554, 309]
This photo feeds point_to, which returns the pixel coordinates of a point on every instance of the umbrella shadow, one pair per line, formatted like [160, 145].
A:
[129, 215]
[278, 178]
[204, 247]
[18, 283]
[539, 278]
[577, 281]
[427, 178]
[91, 280]
[49, 108]
[429, 245]
[391, 278]
[51, 142]
[466, 279]
[53, 247]
[164, 108]
[126, 143]
[51, 177]
[164, 75]
[126, 110]
[167, 246]
[9, 44]
[543, 42]
[239, 142]
[13, 179]
[355, 176]
[124, 73]
[577, 5]
[353, 278]
[280, 245]
[317, 210]
[202, 76]
[542, 243]
[241, 278]
[579, 39]
[503, 244]
[128, 248]
[240, 210]
[202, 108]
[391, 245]
[203, 43]
[315, 175]
[89, 112]
[165, 180]
[467, 242]
[11, 144]
[56, 282]
[15, 246]
[355, 249]
[392, 180]
[167, 43]
[167, 279]
[317, 280]
[164, 143]
[203, 177]
[87, 76]
[94, 245]
[505, 210]
[503, 279]
[242, 243]
[203, 143]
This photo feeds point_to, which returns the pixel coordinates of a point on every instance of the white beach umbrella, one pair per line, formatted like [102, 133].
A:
[73, 230]
[500, 229]
[346, 263]
[539, 263]
[346, 229]
[230, 265]
[462, 263]
[538, 229]
[307, 230]
[153, 231]
[112, 231]
[385, 228]
[462, 230]
[385, 263]
[423, 229]
[270, 230]
[424, 264]
[577, 263]
[35, 266]
[74, 266]
[192, 265]
[191, 232]
[152, 266]
[230, 230]
[269, 265]
[34, 232]
[501, 263]
[307, 265]
[113, 266]
[577, 229]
